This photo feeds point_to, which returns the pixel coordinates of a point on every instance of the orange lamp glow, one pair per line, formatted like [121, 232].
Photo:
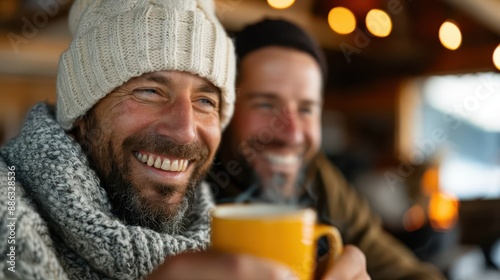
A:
[430, 181]
[341, 20]
[443, 210]
[414, 218]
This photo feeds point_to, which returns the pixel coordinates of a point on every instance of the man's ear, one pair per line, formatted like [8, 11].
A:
[79, 133]
[78, 130]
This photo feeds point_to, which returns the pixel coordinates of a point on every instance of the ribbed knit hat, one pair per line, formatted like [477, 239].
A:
[278, 32]
[116, 40]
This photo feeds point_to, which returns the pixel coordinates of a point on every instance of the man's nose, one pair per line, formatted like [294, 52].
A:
[177, 122]
[293, 130]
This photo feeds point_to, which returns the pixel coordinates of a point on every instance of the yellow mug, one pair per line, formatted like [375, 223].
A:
[286, 234]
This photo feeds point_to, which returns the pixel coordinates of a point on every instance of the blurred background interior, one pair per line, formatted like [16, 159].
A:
[411, 113]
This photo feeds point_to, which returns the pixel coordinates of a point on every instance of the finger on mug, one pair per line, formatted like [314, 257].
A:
[350, 265]
[211, 265]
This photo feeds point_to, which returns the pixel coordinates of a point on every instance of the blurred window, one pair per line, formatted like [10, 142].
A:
[456, 122]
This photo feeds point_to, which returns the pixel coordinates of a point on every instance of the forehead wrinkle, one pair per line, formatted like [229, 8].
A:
[208, 88]
[158, 78]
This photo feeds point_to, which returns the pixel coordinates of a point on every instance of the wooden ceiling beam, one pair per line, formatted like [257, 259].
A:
[486, 12]
[236, 14]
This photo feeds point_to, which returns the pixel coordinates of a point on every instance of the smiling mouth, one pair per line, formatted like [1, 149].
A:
[161, 162]
[279, 159]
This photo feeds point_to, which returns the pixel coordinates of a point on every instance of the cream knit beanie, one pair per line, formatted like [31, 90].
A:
[116, 40]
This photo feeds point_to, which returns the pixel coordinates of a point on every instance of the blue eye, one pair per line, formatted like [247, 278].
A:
[149, 95]
[206, 105]
[207, 102]
[146, 91]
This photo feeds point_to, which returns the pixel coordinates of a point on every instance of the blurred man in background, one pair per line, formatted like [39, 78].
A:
[270, 151]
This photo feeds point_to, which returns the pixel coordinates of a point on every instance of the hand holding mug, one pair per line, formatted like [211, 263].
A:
[351, 265]
[284, 234]
[220, 266]
[265, 242]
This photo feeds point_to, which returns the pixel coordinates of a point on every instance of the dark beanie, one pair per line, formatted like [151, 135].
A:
[277, 32]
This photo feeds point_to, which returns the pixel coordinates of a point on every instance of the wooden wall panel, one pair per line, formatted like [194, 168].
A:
[17, 95]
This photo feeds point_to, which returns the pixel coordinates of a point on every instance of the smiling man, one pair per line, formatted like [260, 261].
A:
[276, 129]
[108, 183]
[166, 127]
[163, 129]
[271, 151]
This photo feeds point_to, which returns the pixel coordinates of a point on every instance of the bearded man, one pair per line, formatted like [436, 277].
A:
[107, 184]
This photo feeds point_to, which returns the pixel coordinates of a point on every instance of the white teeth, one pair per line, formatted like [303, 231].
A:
[166, 164]
[151, 160]
[282, 160]
[158, 162]
[175, 165]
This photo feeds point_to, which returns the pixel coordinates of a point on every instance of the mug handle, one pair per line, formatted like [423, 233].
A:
[334, 240]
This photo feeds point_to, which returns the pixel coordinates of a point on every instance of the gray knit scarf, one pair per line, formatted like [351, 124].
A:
[90, 242]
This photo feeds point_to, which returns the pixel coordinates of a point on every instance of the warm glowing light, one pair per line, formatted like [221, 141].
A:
[414, 218]
[280, 4]
[450, 35]
[443, 210]
[496, 57]
[341, 20]
[378, 23]
[430, 181]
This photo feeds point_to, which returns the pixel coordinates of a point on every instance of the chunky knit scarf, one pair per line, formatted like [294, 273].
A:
[63, 207]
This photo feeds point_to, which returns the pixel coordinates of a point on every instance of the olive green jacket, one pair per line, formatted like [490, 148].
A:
[386, 257]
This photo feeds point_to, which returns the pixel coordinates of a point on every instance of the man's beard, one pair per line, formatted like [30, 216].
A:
[114, 171]
[270, 188]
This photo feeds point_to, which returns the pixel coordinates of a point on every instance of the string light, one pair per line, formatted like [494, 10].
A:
[443, 210]
[280, 4]
[496, 57]
[341, 20]
[450, 35]
[414, 218]
[378, 23]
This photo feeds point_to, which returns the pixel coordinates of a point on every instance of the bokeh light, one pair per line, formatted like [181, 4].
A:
[450, 35]
[378, 23]
[341, 20]
[496, 57]
[414, 218]
[443, 210]
[280, 4]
